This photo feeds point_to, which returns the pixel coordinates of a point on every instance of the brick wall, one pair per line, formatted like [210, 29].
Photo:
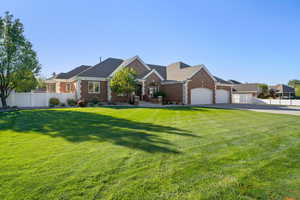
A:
[201, 80]
[102, 96]
[62, 87]
[152, 78]
[138, 67]
[173, 92]
[228, 88]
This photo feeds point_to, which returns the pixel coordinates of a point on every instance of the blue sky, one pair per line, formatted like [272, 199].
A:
[246, 40]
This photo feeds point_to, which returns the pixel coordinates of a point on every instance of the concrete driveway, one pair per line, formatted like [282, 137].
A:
[290, 110]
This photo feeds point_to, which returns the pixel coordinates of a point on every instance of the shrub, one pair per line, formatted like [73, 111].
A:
[81, 103]
[159, 93]
[63, 104]
[54, 102]
[71, 102]
[89, 104]
[94, 101]
[111, 103]
[99, 104]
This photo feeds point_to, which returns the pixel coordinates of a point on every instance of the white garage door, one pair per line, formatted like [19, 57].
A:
[201, 96]
[222, 96]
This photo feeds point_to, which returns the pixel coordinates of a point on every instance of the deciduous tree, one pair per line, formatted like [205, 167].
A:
[124, 82]
[18, 61]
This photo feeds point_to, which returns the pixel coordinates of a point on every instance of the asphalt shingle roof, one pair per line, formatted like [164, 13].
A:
[177, 71]
[73, 72]
[219, 80]
[103, 69]
[234, 82]
[247, 87]
[162, 70]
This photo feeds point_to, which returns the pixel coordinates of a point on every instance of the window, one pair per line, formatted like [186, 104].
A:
[51, 87]
[152, 91]
[94, 87]
[121, 95]
[68, 87]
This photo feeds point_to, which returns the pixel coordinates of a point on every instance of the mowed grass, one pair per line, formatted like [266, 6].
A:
[146, 153]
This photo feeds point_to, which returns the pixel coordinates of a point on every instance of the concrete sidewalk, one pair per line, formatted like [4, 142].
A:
[289, 110]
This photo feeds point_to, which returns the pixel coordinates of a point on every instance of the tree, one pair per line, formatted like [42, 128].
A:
[124, 82]
[293, 83]
[297, 91]
[264, 91]
[18, 61]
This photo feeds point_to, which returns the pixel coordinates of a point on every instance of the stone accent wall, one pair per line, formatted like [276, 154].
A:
[85, 95]
[173, 92]
[201, 80]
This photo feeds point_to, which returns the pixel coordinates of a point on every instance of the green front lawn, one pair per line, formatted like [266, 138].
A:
[143, 153]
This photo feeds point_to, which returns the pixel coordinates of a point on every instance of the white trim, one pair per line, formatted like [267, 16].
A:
[108, 91]
[78, 89]
[86, 78]
[143, 87]
[186, 92]
[175, 82]
[222, 84]
[70, 87]
[237, 92]
[206, 70]
[127, 62]
[153, 70]
[57, 87]
[93, 82]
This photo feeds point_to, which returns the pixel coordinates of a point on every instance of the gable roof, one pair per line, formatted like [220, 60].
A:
[155, 72]
[127, 62]
[234, 81]
[247, 87]
[180, 71]
[162, 70]
[219, 80]
[72, 73]
[109, 65]
[103, 69]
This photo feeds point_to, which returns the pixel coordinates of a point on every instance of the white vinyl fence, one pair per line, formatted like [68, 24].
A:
[36, 99]
[249, 99]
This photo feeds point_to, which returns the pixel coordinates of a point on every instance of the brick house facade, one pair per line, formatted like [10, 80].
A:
[181, 83]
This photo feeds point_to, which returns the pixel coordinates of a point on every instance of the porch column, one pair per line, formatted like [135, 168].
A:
[78, 89]
[143, 90]
[108, 90]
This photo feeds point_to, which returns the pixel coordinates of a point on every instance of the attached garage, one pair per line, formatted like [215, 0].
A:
[222, 96]
[201, 96]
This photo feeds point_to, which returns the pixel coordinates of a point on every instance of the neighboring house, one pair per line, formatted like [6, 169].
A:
[247, 88]
[284, 91]
[182, 83]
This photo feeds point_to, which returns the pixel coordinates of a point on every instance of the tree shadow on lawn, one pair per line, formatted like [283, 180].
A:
[76, 126]
[172, 108]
